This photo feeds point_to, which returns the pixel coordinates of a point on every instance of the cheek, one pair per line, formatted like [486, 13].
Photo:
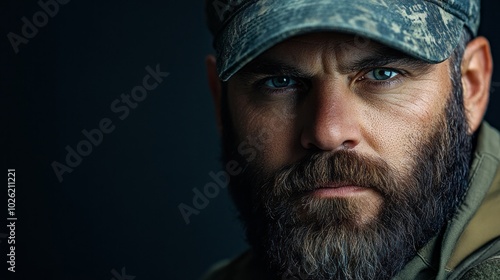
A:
[396, 129]
[270, 131]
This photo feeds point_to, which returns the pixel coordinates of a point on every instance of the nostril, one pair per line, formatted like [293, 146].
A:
[348, 145]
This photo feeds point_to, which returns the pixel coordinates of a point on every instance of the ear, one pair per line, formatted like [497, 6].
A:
[215, 88]
[477, 68]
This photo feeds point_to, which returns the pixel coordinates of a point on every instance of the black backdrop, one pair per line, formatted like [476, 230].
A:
[116, 214]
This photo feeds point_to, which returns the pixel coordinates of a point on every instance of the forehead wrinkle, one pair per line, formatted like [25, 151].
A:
[312, 54]
[351, 56]
[332, 55]
[340, 52]
[268, 65]
[324, 49]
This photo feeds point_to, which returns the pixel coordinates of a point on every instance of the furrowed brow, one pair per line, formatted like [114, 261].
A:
[384, 57]
[265, 66]
[271, 67]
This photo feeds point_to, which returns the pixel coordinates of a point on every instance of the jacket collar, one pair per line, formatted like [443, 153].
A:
[439, 257]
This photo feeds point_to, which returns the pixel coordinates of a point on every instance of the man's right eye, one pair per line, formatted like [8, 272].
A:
[280, 82]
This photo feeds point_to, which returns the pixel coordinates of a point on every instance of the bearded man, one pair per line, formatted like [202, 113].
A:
[358, 126]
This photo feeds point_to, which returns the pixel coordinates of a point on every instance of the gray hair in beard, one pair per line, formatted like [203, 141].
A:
[294, 234]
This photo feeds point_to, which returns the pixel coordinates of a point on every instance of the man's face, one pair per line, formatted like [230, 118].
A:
[355, 154]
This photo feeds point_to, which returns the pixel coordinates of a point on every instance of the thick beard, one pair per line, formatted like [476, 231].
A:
[294, 234]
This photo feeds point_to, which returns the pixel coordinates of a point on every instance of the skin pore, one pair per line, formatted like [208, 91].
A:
[357, 137]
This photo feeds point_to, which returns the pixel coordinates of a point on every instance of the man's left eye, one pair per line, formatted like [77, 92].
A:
[280, 82]
[382, 74]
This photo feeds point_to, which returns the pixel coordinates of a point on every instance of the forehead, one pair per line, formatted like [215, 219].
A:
[339, 44]
[346, 53]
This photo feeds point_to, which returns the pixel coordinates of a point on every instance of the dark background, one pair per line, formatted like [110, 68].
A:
[119, 207]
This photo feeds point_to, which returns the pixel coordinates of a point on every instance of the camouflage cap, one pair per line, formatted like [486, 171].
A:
[426, 29]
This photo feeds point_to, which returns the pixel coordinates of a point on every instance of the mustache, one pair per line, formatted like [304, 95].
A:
[337, 169]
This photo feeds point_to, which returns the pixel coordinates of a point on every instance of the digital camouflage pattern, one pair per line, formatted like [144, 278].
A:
[427, 29]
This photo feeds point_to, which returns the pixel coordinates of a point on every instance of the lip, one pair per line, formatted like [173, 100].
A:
[339, 190]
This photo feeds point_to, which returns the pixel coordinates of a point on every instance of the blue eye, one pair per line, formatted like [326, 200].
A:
[280, 82]
[381, 74]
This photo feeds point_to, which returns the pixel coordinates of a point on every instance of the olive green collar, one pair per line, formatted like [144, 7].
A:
[433, 258]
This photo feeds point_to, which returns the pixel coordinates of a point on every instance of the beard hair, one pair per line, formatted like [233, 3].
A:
[295, 235]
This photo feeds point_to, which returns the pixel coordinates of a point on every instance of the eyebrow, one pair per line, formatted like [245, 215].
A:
[270, 66]
[382, 56]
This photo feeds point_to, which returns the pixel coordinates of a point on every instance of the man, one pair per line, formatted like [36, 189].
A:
[353, 133]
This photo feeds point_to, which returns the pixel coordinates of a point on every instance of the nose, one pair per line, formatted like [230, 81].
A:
[331, 119]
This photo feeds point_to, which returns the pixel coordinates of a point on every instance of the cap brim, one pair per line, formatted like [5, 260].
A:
[418, 28]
